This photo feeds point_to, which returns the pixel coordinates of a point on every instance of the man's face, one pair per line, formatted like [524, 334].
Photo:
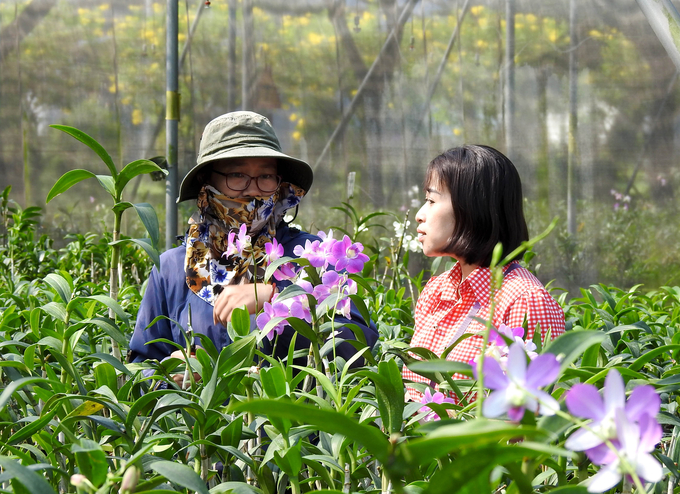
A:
[257, 175]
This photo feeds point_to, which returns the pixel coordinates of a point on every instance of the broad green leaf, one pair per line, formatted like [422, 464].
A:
[91, 461]
[572, 344]
[326, 420]
[91, 143]
[66, 181]
[476, 433]
[647, 357]
[111, 304]
[60, 285]
[180, 474]
[14, 386]
[33, 482]
[105, 375]
[147, 214]
[240, 321]
[131, 170]
[56, 310]
[109, 185]
[144, 243]
[443, 366]
[234, 488]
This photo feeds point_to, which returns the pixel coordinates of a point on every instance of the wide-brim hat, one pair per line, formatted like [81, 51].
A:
[243, 134]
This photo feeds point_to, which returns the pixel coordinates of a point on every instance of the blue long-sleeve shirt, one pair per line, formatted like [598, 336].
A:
[167, 294]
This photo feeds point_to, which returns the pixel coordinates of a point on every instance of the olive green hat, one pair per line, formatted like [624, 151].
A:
[243, 134]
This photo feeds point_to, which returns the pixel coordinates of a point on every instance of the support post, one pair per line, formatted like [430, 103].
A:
[509, 95]
[573, 121]
[171, 121]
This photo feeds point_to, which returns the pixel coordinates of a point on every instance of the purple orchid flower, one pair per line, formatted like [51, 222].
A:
[636, 442]
[518, 388]
[231, 246]
[285, 272]
[275, 309]
[243, 240]
[437, 398]
[349, 255]
[512, 333]
[273, 251]
[312, 252]
[498, 347]
[584, 400]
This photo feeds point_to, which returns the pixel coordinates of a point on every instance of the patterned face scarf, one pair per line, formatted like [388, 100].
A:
[206, 268]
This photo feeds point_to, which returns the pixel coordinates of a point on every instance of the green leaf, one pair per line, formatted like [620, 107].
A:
[572, 344]
[389, 392]
[240, 321]
[109, 185]
[147, 214]
[56, 310]
[60, 285]
[111, 304]
[144, 243]
[443, 366]
[235, 488]
[105, 375]
[17, 385]
[91, 461]
[91, 143]
[33, 482]
[180, 474]
[647, 357]
[326, 420]
[476, 433]
[131, 170]
[274, 382]
[66, 181]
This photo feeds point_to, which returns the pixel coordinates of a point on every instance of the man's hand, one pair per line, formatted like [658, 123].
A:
[235, 296]
[179, 378]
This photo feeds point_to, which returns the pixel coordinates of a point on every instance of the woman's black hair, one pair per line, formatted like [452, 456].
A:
[486, 195]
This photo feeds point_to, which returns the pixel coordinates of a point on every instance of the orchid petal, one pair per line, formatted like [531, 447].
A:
[614, 391]
[605, 479]
[650, 433]
[643, 400]
[543, 370]
[648, 468]
[517, 363]
[601, 454]
[582, 440]
[516, 413]
[583, 400]
[495, 404]
[494, 377]
[547, 404]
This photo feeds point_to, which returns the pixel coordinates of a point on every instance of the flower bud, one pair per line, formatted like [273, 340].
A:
[130, 480]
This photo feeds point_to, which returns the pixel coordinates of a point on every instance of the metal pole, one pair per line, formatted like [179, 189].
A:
[509, 77]
[665, 20]
[572, 148]
[171, 121]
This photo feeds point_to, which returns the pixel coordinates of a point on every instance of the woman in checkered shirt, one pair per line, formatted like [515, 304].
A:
[473, 201]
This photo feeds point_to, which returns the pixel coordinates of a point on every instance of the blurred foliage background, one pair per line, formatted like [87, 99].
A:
[100, 67]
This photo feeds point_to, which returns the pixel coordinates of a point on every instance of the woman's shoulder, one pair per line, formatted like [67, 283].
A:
[520, 282]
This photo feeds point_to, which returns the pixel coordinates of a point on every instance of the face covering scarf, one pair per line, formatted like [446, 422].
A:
[205, 265]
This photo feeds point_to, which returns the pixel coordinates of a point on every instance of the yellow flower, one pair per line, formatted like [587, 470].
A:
[104, 6]
[297, 135]
[303, 21]
[476, 10]
[483, 22]
[552, 35]
[482, 44]
[301, 123]
[137, 116]
[315, 39]
[293, 117]
[126, 101]
[457, 131]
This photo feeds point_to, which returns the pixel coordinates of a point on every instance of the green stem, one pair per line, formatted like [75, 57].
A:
[113, 280]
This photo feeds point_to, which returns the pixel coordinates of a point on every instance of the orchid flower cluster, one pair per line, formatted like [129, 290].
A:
[620, 435]
[331, 294]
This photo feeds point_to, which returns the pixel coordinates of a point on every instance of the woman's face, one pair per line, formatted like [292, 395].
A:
[435, 220]
[245, 167]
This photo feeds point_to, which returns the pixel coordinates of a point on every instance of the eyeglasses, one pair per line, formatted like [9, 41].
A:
[240, 181]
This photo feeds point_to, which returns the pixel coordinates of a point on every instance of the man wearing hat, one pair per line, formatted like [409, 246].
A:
[241, 178]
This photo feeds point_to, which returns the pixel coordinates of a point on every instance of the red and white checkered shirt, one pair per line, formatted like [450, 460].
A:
[445, 303]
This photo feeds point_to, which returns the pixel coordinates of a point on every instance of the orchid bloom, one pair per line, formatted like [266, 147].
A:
[275, 309]
[636, 442]
[243, 240]
[349, 255]
[312, 252]
[273, 251]
[231, 247]
[518, 387]
[437, 398]
[584, 400]
[285, 272]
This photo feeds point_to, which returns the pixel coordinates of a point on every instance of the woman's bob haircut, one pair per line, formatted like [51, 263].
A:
[486, 195]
